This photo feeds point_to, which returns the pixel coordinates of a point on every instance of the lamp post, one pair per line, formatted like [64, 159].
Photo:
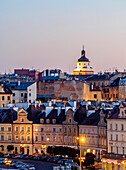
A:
[81, 140]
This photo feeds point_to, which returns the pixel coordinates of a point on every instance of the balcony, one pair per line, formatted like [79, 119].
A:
[114, 156]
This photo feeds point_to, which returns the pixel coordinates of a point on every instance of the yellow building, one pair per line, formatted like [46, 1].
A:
[83, 65]
[5, 96]
[22, 134]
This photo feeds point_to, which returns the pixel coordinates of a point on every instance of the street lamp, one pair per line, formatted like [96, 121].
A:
[81, 140]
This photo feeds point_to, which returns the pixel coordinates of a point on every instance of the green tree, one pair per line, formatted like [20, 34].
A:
[10, 148]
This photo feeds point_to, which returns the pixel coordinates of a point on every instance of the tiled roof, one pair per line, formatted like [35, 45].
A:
[7, 115]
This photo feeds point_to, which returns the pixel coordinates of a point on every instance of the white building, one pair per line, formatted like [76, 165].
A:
[23, 92]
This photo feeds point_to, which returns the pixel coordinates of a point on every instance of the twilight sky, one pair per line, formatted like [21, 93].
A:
[44, 34]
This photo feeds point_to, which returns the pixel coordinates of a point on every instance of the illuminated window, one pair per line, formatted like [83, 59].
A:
[48, 139]
[48, 129]
[36, 129]
[122, 137]
[16, 138]
[54, 139]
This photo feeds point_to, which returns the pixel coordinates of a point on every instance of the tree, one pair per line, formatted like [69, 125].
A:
[10, 148]
[89, 159]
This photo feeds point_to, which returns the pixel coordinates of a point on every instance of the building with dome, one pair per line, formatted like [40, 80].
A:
[83, 65]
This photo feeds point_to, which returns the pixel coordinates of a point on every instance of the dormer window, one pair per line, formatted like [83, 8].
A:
[22, 119]
[69, 120]
[41, 120]
[47, 121]
[53, 121]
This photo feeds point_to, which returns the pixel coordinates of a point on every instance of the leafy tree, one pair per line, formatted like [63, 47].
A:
[10, 148]
[89, 159]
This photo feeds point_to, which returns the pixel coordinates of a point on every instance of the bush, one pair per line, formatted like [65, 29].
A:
[10, 148]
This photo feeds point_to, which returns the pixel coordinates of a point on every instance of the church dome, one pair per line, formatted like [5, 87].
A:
[83, 57]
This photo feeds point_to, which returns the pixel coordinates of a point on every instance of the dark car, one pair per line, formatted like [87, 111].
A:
[37, 158]
[29, 157]
[57, 159]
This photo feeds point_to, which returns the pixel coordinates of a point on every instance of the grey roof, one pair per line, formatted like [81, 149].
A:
[22, 86]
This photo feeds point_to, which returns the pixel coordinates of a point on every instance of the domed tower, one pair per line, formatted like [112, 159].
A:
[83, 65]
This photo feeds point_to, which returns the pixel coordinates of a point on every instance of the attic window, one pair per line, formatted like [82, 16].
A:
[22, 119]
[53, 121]
[41, 120]
[47, 121]
[69, 120]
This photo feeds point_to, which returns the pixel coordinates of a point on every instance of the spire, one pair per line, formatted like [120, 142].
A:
[83, 52]
[83, 47]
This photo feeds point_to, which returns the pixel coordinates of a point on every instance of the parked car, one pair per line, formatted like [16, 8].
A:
[56, 159]
[29, 157]
[22, 156]
[37, 157]
[6, 155]
[2, 160]
[1, 154]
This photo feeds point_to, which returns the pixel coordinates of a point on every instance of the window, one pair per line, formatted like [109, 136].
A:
[41, 138]
[13, 94]
[2, 137]
[48, 139]
[29, 94]
[48, 129]
[22, 138]
[28, 138]
[122, 137]
[69, 130]
[22, 119]
[16, 129]
[117, 149]
[73, 139]
[116, 137]
[36, 129]
[65, 139]
[2, 97]
[123, 150]
[13, 101]
[111, 137]
[36, 138]
[21, 94]
[54, 139]
[69, 120]
[69, 139]
[111, 149]
[9, 129]
[28, 129]
[2, 128]
[29, 101]
[74, 130]
[54, 129]
[60, 129]
[41, 120]
[41, 129]
[65, 130]
[95, 96]
[8, 97]
[53, 121]
[116, 127]
[16, 138]
[122, 128]
[22, 129]
[60, 139]
[110, 126]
